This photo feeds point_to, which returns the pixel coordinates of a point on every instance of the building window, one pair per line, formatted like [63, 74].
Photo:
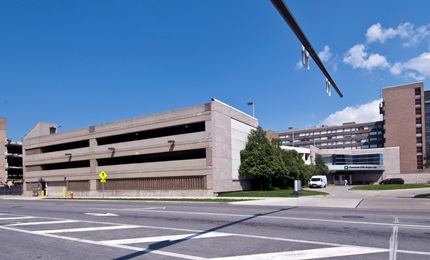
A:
[417, 91]
[418, 111]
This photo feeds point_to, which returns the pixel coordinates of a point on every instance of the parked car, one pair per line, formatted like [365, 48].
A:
[392, 181]
[318, 181]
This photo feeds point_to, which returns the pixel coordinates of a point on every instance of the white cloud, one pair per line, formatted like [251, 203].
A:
[420, 64]
[376, 33]
[325, 54]
[357, 57]
[359, 114]
[299, 65]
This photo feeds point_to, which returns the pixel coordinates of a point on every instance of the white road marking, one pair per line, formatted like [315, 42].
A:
[162, 238]
[102, 214]
[80, 240]
[309, 254]
[150, 208]
[393, 240]
[394, 244]
[12, 218]
[159, 252]
[70, 230]
[413, 226]
[42, 223]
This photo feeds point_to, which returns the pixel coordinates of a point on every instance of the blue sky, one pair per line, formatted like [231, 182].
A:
[81, 63]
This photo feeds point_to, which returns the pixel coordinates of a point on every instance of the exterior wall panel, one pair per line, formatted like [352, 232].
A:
[142, 151]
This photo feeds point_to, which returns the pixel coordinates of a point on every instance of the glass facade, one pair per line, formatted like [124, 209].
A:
[348, 136]
[360, 159]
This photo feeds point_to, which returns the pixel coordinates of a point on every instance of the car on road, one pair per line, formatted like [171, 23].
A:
[393, 181]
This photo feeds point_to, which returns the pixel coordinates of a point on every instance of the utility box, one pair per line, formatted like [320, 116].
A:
[297, 187]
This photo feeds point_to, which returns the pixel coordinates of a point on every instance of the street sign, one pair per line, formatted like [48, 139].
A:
[102, 175]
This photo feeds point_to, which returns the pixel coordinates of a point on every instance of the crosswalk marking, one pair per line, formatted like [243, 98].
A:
[70, 230]
[329, 250]
[309, 254]
[162, 238]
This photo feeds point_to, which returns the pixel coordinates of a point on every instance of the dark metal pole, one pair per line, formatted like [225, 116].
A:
[288, 17]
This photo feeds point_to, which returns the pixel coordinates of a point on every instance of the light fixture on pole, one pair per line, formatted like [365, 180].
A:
[291, 128]
[253, 110]
[305, 58]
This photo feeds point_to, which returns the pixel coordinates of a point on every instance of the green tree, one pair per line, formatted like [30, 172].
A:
[319, 168]
[260, 160]
[297, 170]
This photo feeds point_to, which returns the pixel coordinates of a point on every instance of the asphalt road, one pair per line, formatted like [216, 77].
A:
[57, 229]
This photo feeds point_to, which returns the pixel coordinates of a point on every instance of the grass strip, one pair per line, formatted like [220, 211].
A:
[390, 187]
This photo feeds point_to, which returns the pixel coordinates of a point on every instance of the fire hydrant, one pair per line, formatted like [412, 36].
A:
[71, 194]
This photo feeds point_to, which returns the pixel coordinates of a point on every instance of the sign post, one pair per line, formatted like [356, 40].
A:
[103, 176]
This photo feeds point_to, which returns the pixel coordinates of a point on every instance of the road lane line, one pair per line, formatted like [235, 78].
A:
[70, 230]
[394, 244]
[42, 223]
[102, 214]
[13, 218]
[308, 254]
[162, 238]
[412, 226]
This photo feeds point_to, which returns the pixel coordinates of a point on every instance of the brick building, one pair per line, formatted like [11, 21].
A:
[404, 124]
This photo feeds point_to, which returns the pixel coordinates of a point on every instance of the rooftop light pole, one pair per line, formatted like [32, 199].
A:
[252, 104]
[307, 47]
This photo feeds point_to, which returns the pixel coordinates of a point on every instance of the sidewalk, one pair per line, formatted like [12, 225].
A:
[339, 197]
[342, 197]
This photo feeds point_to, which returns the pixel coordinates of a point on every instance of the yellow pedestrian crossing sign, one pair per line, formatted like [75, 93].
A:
[103, 175]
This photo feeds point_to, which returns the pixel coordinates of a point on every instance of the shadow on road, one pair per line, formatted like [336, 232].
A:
[167, 243]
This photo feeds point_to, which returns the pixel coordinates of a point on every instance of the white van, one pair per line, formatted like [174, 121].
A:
[318, 181]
